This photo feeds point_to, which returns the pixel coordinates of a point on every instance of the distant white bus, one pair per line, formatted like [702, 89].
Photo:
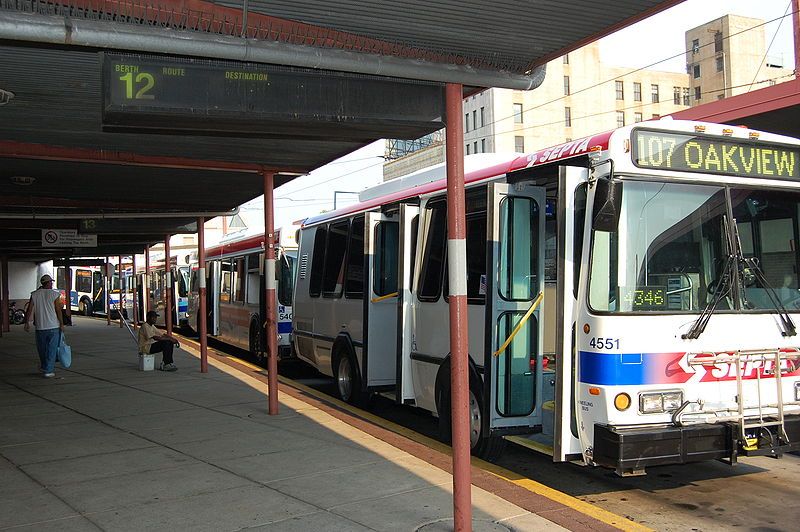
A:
[648, 320]
[88, 289]
[180, 269]
[235, 292]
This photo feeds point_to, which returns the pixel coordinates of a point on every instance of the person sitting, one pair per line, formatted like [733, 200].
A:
[151, 340]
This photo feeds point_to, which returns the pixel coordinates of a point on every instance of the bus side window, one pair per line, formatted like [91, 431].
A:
[240, 278]
[579, 222]
[386, 249]
[430, 278]
[317, 262]
[225, 282]
[83, 281]
[253, 279]
[60, 279]
[333, 276]
[354, 278]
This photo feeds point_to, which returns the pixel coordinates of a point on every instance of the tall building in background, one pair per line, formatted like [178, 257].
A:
[582, 96]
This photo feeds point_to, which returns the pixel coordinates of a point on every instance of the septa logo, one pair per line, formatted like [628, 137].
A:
[752, 366]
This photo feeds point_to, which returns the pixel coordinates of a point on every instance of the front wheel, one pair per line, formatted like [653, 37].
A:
[85, 307]
[348, 382]
[18, 317]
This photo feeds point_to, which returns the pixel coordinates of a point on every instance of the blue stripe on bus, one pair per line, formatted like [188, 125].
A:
[183, 307]
[631, 368]
[284, 327]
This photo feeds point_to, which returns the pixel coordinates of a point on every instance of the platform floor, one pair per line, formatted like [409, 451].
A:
[105, 446]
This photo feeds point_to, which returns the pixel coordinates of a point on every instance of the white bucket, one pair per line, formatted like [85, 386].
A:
[146, 362]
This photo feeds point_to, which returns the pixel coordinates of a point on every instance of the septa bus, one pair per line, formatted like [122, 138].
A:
[648, 320]
[179, 271]
[88, 289]
[236, 291]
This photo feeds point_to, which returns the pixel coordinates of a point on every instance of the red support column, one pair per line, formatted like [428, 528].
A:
[6, 325]
[167, 286]
[109, 286]
[120, 305]
[269, 277]
[457, 276]
[68, 291]
[201, 293]
[135, 293]
[146, 282]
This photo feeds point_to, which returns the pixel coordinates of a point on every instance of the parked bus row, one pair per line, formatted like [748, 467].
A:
[631, 296]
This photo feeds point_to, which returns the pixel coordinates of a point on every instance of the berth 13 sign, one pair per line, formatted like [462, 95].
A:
[685, 152]
[202, 96]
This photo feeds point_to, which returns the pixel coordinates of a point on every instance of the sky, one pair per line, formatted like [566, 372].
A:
[663, 35]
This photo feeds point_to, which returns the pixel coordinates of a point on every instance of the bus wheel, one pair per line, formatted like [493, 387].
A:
[486, 447]
[85, 307]
[348, 383]
[255, 342]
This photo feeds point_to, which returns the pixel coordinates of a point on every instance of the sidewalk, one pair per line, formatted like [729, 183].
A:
[105, 446]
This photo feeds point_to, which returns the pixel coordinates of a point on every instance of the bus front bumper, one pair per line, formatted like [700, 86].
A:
[632, 449]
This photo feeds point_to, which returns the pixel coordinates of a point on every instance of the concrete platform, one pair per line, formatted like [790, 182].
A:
[105, 446]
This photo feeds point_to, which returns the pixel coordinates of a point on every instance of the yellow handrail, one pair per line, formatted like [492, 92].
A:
[381, 298]
[524, 319]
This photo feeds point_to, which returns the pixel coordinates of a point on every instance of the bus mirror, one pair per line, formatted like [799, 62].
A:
[607, 201]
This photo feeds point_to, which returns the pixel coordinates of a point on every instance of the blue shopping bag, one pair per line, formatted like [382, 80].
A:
[64, 352]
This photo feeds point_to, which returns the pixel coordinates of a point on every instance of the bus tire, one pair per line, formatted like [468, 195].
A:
[85, 307]
[347, 377]
[255, 342]
[483, 446]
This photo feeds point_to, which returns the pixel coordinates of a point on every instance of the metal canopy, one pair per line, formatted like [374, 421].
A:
[51, 130]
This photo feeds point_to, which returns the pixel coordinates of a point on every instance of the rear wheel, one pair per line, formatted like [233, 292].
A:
[85, 307]
[348, 381]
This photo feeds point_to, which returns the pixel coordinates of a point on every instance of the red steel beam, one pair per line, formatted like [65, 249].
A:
[457, 275]
[167, 286]
[68, 290]
[202, 322]
[146, 281]
[6, 325]
[120, 306]
[109, 286]
[269, 275]
[135, 293]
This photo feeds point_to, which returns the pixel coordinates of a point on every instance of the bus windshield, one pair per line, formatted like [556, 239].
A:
[669, 251]
[285, 277]
[183, 282]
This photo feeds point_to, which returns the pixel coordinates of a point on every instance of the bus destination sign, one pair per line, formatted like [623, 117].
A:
[244, 99]
[685, 152]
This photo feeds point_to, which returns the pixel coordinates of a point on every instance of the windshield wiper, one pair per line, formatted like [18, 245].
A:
[723, 289]
[786, 323]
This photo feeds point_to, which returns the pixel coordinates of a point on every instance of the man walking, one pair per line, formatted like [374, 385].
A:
[44, 311]
[152, 341]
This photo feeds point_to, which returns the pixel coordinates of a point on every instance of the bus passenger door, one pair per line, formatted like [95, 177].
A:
[514, 295]
[409, 222]
[212, 296]
[381, 243]
[98, 292]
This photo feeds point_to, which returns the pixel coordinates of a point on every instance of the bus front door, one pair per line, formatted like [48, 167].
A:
[98, 292]
[409, 221]
[381, 241]
[514, 295]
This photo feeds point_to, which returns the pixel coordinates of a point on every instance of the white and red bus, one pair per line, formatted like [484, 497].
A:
[631, 296]
[236, 291]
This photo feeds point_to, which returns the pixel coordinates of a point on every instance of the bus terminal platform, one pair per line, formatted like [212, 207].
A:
[104, 446]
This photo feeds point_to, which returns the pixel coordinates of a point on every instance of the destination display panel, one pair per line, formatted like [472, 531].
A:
[684, 152]
[245, 99]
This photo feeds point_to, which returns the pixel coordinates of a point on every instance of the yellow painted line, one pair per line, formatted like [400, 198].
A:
[585, 508]
[531, 444]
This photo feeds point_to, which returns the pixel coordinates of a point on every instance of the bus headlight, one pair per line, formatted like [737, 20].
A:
[659, 402]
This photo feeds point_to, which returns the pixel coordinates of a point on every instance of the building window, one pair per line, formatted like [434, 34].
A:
[695, 45]
[620, 90]
[466, 122]
[566, 59]
[686, 100]
[519, 144]
[567, 117]
[566, 85]
[676, 95]
[475, 147]
[475, 119]
[718, 42]
[720, 64]
[697, 93]
[620, 118]
[637, 117]
[518, 113]
[482, 117]
[483, 145]
[637, 91]
[656, 116]
[468, 149]
[696, 71]
[720, 96]
[654, 93]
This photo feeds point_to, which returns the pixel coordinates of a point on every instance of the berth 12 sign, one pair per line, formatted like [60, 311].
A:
[714, 155]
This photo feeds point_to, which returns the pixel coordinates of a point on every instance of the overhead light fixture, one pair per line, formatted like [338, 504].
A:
[22, 180]
[5, 96]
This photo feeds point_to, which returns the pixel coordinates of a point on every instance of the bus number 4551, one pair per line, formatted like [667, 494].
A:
[604, 343]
